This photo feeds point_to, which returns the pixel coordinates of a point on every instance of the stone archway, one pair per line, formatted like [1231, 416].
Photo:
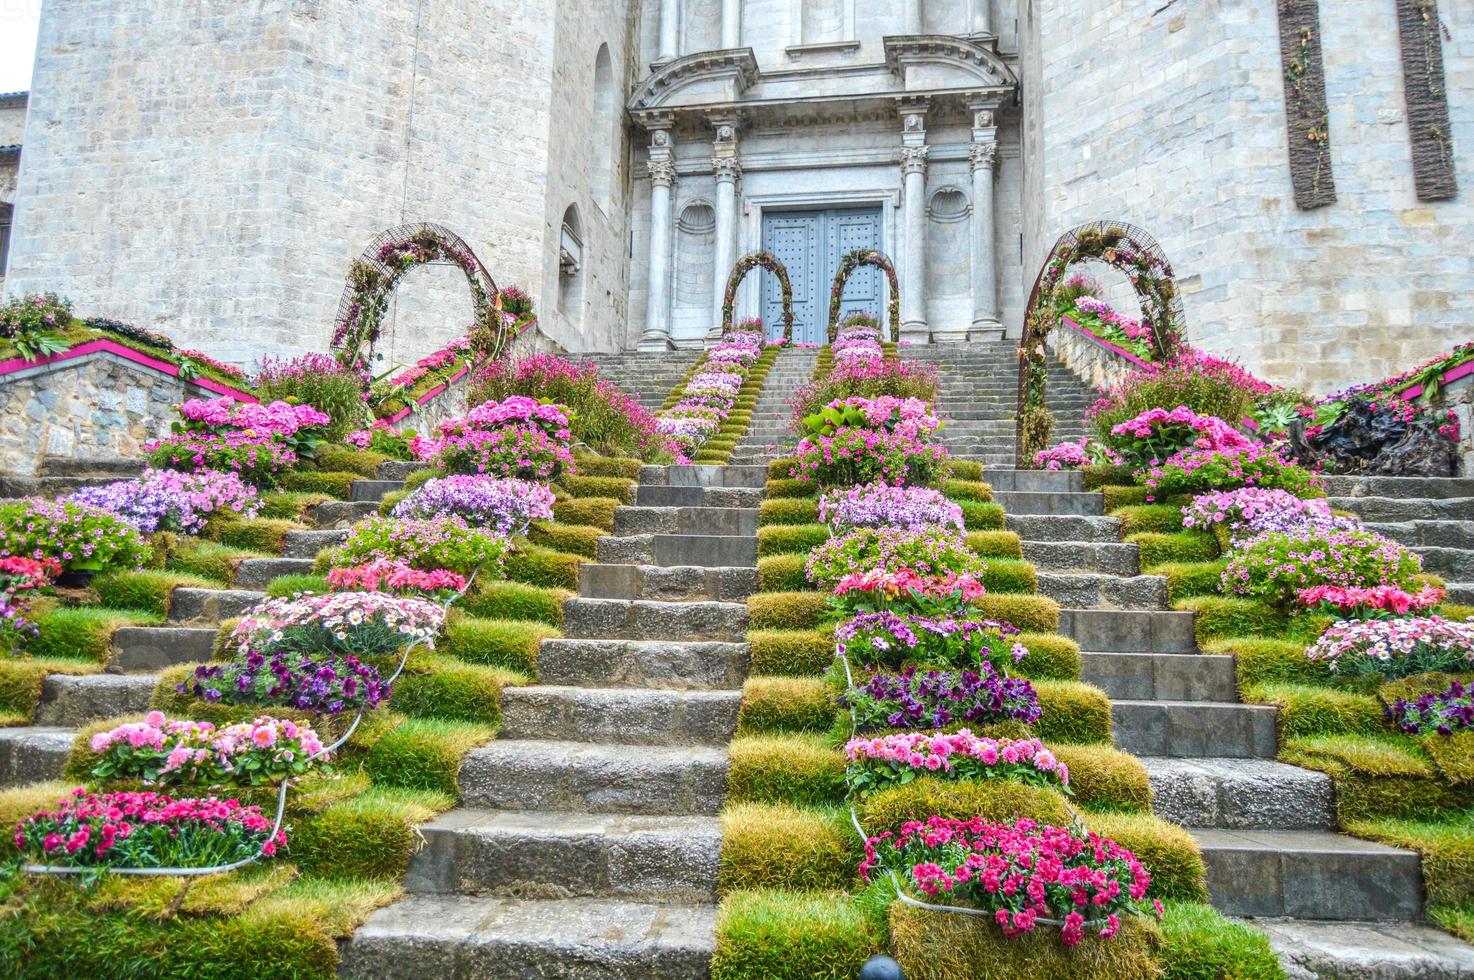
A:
[1129, 250]
[764, 260]
[375, 275]
[847, 266]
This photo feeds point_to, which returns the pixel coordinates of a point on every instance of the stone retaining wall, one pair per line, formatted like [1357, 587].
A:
[1089, 362]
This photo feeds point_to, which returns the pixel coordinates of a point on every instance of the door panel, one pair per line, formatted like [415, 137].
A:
[810, 244]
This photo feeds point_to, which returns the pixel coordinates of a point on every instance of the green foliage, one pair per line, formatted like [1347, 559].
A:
[1184, 546]
[1310, 710]
[1098, 475]
[971, 490]
[149, 591]
[774, 845]
[543, 567]
[454, 690]
[496, 642]
[424, 753]
[1051, 657]
[82, 632]
[1105, 779]
[514, 600]
[617, 488]
[780, 512]
[570, 538]
[790, 539]
[1261, 660]
[782, 488]
[1115, 498]
[587, 511]
[263, 535]
[290, 506]
[339, 486]
[1187, 579]
[208, 559]
[782, 573]
[782, 935]
[995, 544]
[1446, 846]
[1072, 712]
[1198, 943]
[1219, 616]
[999, 800]
[285, 586]
[346, 459]
[800, 769]
[590, 465]
[1009, 576]
[785, 704]
[368, 836]
[967, 469]
[784, 610]
[979, 515]
[791, 653]
[1163, 519]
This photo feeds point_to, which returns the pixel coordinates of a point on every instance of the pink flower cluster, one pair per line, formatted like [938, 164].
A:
[882, 505]
[160, 751]
[1368, 603]
[517, 437]
[1023, 873]
[278, 419]
[1134, 329]
[1193, 470]
[708, 397]
[448, 356]
[904, 588]
[395, 577]
[958, 753]
[910, 417]
[1157, 433]
[1071, 455]
[515, 410]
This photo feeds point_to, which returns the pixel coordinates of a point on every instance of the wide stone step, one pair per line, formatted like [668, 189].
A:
[671, 550]
[399, 469]
[1063, 528]
[1035, 481]
[1454, 564]
[76, 701]
[704, 476]
[1396, 509]
[34, 753]
[648, 495]
[639, 619]
[1073, 504]
[1113, 559]
[374, 490]
[209, 606]
[1193, 729]
[1428, 534]
[342, 513]
[260, 571]
[1367, 950]
[678, 583]
[564, 855]
[1097, 590]
[455, 937]
[584, 778]
[733, 521]
[1401, 487]
[1240, 794]
[147, 649]
[669, 664]
[1129, 631]
[623, 716]
[1309, 874]
[1460, 592]
[306, 544]
[1161, 676]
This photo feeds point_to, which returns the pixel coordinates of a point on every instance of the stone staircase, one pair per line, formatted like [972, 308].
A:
[771, 433]
[1433, 517]
[587, 842]
[1266, 830]
[58, 475]
[649, 377]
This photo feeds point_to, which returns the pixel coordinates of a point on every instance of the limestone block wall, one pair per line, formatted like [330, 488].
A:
[1189, 142]
[1091, 363]
[97, 406]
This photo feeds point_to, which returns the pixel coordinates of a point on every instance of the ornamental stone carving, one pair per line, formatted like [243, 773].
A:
[913, 159]
[726, 169]
[662, 173]
[984, 156]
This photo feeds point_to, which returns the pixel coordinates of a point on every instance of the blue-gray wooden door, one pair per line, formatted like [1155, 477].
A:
[811, 244]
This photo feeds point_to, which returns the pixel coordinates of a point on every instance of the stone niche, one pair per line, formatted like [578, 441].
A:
[98, 406]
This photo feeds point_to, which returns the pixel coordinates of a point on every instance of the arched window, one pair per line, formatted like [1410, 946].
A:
[570, 268]
[605, 129]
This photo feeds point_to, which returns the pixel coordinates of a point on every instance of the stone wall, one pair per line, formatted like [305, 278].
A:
[94, 407]
[1172, 116]
[1459, 396]
[1090, 362]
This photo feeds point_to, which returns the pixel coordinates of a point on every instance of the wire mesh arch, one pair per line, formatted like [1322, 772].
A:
[1131, 250]
[847, 267]
[756, 260]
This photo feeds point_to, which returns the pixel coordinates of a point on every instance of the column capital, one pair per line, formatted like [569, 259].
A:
[726, 169]
[984, 156]
[662, 173]
[913, 159]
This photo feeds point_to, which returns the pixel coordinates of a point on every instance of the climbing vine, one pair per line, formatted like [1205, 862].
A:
[1130, 251]
[1306, 115]
[847, 267]
[764, 260]
[375, 275]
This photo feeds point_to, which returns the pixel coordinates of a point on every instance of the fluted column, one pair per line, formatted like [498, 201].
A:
[982, 16]
[728, 171]
[984, 155]
[670, 30]
[662, 179]
[731, 23]
[913, 173]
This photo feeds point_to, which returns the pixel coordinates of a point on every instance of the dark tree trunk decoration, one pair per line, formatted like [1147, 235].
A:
[1427, 100]
[1125, 248]
[1306, 115]
[746, 264]
[847, 266]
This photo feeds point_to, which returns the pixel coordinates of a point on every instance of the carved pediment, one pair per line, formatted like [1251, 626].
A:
[940, 61]
[707, 78]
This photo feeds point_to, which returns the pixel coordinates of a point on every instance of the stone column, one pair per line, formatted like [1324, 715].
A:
[662, 179]
[982, 16]
[670, 30]
[913, 278]
[911, 14]
[728, 171]
[731, 23]
[984, 154]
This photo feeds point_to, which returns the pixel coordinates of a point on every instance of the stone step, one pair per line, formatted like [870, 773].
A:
[260, 571]
[619, 619]
[647, 495]
[1396, 509]
[75, 701]
[1455, 564]
[455, 937]
[374, 490]
[1367, 950]
[209, 606]
[1193, 729]
[1103, 590]
[397, 469]
[1063, 528]
[148, 649]
[704, 476]
[678, 583]
[1035, 481]
[34, 753]
[584, 778]
[1309, 874]
[1113, 559]
[1161, 676]
[1129, 631]
[661, 664]
[342, 513]
[97, 467]
[620, 715]
[1428, 534]
[1240, 794]
[1073, 504]
[670, 550]
[727, 521]
[1400, 487]
[565, 855]
[1460, 592]
[306, 544]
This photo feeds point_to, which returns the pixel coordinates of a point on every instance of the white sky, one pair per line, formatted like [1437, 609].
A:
[18, 20]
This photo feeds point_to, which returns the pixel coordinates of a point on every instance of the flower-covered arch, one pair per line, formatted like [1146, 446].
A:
[746, 264]
[847, 266]
[375, 275]
[1125, 248]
